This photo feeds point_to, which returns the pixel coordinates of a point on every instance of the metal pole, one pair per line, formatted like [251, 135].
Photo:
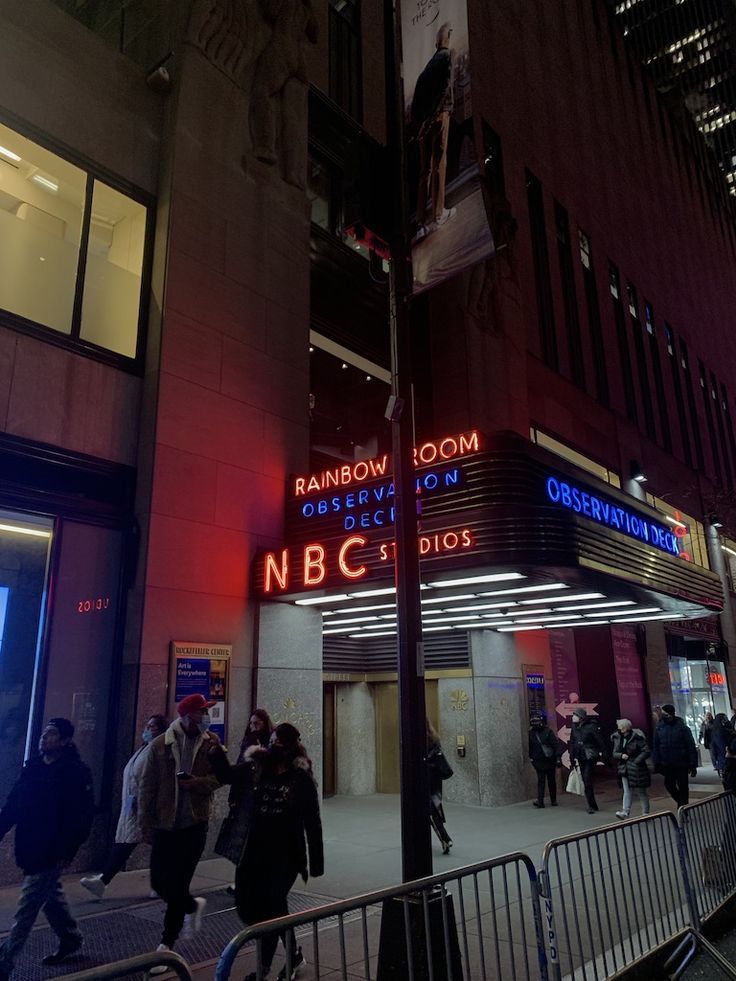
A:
[416, 851]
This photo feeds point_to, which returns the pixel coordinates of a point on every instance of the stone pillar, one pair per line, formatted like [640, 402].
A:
[356, 740]
[457, 717]
[289, 683]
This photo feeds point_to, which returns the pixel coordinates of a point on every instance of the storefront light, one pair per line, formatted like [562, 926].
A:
[525, 589]
[389, 591]
[315, 600]
[24, 530]
[385, 633]
[597, 606]
[624, 613]
[517, 628]
[339, 623]
[447, 599]
[566, 599]
[472, 580]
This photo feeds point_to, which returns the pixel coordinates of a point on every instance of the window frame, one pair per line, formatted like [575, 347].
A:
[94, 172]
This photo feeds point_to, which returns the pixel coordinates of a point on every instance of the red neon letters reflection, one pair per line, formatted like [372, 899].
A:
[276, 568]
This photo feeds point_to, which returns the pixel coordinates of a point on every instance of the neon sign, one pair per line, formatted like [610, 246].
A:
[433, 451]
[446, 541]
[371, 506]
[611, 515]
[717, 679]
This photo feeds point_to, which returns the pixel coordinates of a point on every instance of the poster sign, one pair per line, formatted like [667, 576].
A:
[451, 228]
[202, 669]
[627, 663]
[535, 698]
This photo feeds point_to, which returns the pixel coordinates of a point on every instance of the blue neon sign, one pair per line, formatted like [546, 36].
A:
[371, 507]
[611, 515]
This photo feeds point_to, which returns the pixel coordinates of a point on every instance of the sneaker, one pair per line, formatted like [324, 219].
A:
[592, 810]
[94, 884]
[622, 814]
[66, 949]
[160, 968]
[297, 961]
[193, 921]
[446, 846]
[421, 232]
[537, 803]
[442, 219]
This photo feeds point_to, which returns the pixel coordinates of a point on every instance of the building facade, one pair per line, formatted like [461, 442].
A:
[195, 491]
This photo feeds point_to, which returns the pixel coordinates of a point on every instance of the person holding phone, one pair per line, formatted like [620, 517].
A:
[176, 790]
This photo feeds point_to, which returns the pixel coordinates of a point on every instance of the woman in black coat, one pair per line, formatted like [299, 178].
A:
[279, 823]
[544, 753]
[721, 736]
[631, 752]
[439, 769]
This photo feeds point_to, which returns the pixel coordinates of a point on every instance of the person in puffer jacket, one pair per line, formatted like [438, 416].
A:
[675, 754]
[586, 748]
[630, 753]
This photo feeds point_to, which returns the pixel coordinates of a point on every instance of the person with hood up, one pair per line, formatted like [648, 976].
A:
[282, 823]
[675, 754]
[544, 754]
[51, 807]
[721, 736]
[128, 834]
[630, 752]
[586, 748]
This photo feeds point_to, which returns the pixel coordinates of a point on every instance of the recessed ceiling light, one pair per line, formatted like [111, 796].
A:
[375, 592]
[471, 580]
[623, 613]
[480, 606]
[386, 633]
[447, 599]
[596, 606]
[515, 629]
[335, 623]
[44, 182]
[550, 618]
[566, 599]
[343, 630]
[9, 154]
[525, 589]
[313, 600]
[21, 530]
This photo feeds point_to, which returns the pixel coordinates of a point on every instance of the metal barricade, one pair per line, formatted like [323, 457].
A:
[133, 965]
[613, 895]
[481, 921]
[709, 833]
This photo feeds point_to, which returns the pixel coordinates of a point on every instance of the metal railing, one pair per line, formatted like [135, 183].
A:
[613, 895]
[482, 921]
[134, 965]
[709, 835]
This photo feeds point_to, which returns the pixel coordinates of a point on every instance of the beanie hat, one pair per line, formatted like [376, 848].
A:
[580, 713]
[668, 709]
[536, 718]
[193, 703]
[63, 727]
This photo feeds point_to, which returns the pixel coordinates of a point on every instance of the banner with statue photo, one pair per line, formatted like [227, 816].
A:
[450, 229]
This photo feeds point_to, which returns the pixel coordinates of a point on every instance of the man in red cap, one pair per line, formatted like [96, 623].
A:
[175, 800]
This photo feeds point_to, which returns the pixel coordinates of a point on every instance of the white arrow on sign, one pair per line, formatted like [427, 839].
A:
[567, 708]
[564, 733]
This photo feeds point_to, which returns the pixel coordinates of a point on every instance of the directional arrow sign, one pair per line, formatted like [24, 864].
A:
[564, 733]
[567, 708]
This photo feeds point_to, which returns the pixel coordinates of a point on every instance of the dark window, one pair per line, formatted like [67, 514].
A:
[664, 421]
[707, 398]
[718, 410]
[569, 296]
[641, 362]
[594, 319]
[692, 408]
[614, 285]
[346, 63]
[729, 424]
[677, 386]
[540, 254]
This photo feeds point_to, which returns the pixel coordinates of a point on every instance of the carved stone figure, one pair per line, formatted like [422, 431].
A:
[259, 45]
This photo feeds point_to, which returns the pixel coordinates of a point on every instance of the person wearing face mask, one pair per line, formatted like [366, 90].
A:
[545, 756]
[128, 834]
[176, 790]
[282, 826]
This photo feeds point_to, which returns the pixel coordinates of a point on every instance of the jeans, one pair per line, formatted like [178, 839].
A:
[676, 783]
[587, 769]
[550, 778]
[117, 858]
[643, 797]
[174, 858]
[261, 890]
[42, 890]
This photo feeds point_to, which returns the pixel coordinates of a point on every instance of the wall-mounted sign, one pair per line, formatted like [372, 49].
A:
[607, 512]
[202, 669]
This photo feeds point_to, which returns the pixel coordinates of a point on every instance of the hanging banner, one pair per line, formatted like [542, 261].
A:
[451, 230]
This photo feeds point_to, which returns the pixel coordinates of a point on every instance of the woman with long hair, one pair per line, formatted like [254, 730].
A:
[439, 769]
[257, 732]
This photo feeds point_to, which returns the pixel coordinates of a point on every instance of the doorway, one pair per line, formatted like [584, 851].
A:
[386, 700]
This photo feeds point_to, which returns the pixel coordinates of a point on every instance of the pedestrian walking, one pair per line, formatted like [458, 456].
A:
[721, 737]
[729, 770]
[128, 834]
[438, 770]
[176, 790]
[586, 748]
[257, 732]
[631, 752]
[545, 756]
[50, 807]
[705, 736]
[675, 754]
[281, 824]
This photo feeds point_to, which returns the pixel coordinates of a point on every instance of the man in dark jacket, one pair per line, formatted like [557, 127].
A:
[587, 746]
[674, 754]
[51, 808]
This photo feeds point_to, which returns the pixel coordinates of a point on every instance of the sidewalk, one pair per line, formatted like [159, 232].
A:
[362, 853]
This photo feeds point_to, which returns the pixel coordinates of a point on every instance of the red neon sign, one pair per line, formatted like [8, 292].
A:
[447, 541]
[716, 678]
[433, 451]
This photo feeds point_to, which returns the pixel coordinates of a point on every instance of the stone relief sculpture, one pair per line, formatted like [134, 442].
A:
[259, 46]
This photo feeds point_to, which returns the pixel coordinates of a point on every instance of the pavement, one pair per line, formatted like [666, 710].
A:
[362, 853]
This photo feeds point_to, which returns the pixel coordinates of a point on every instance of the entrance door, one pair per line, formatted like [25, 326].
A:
[386, 698]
